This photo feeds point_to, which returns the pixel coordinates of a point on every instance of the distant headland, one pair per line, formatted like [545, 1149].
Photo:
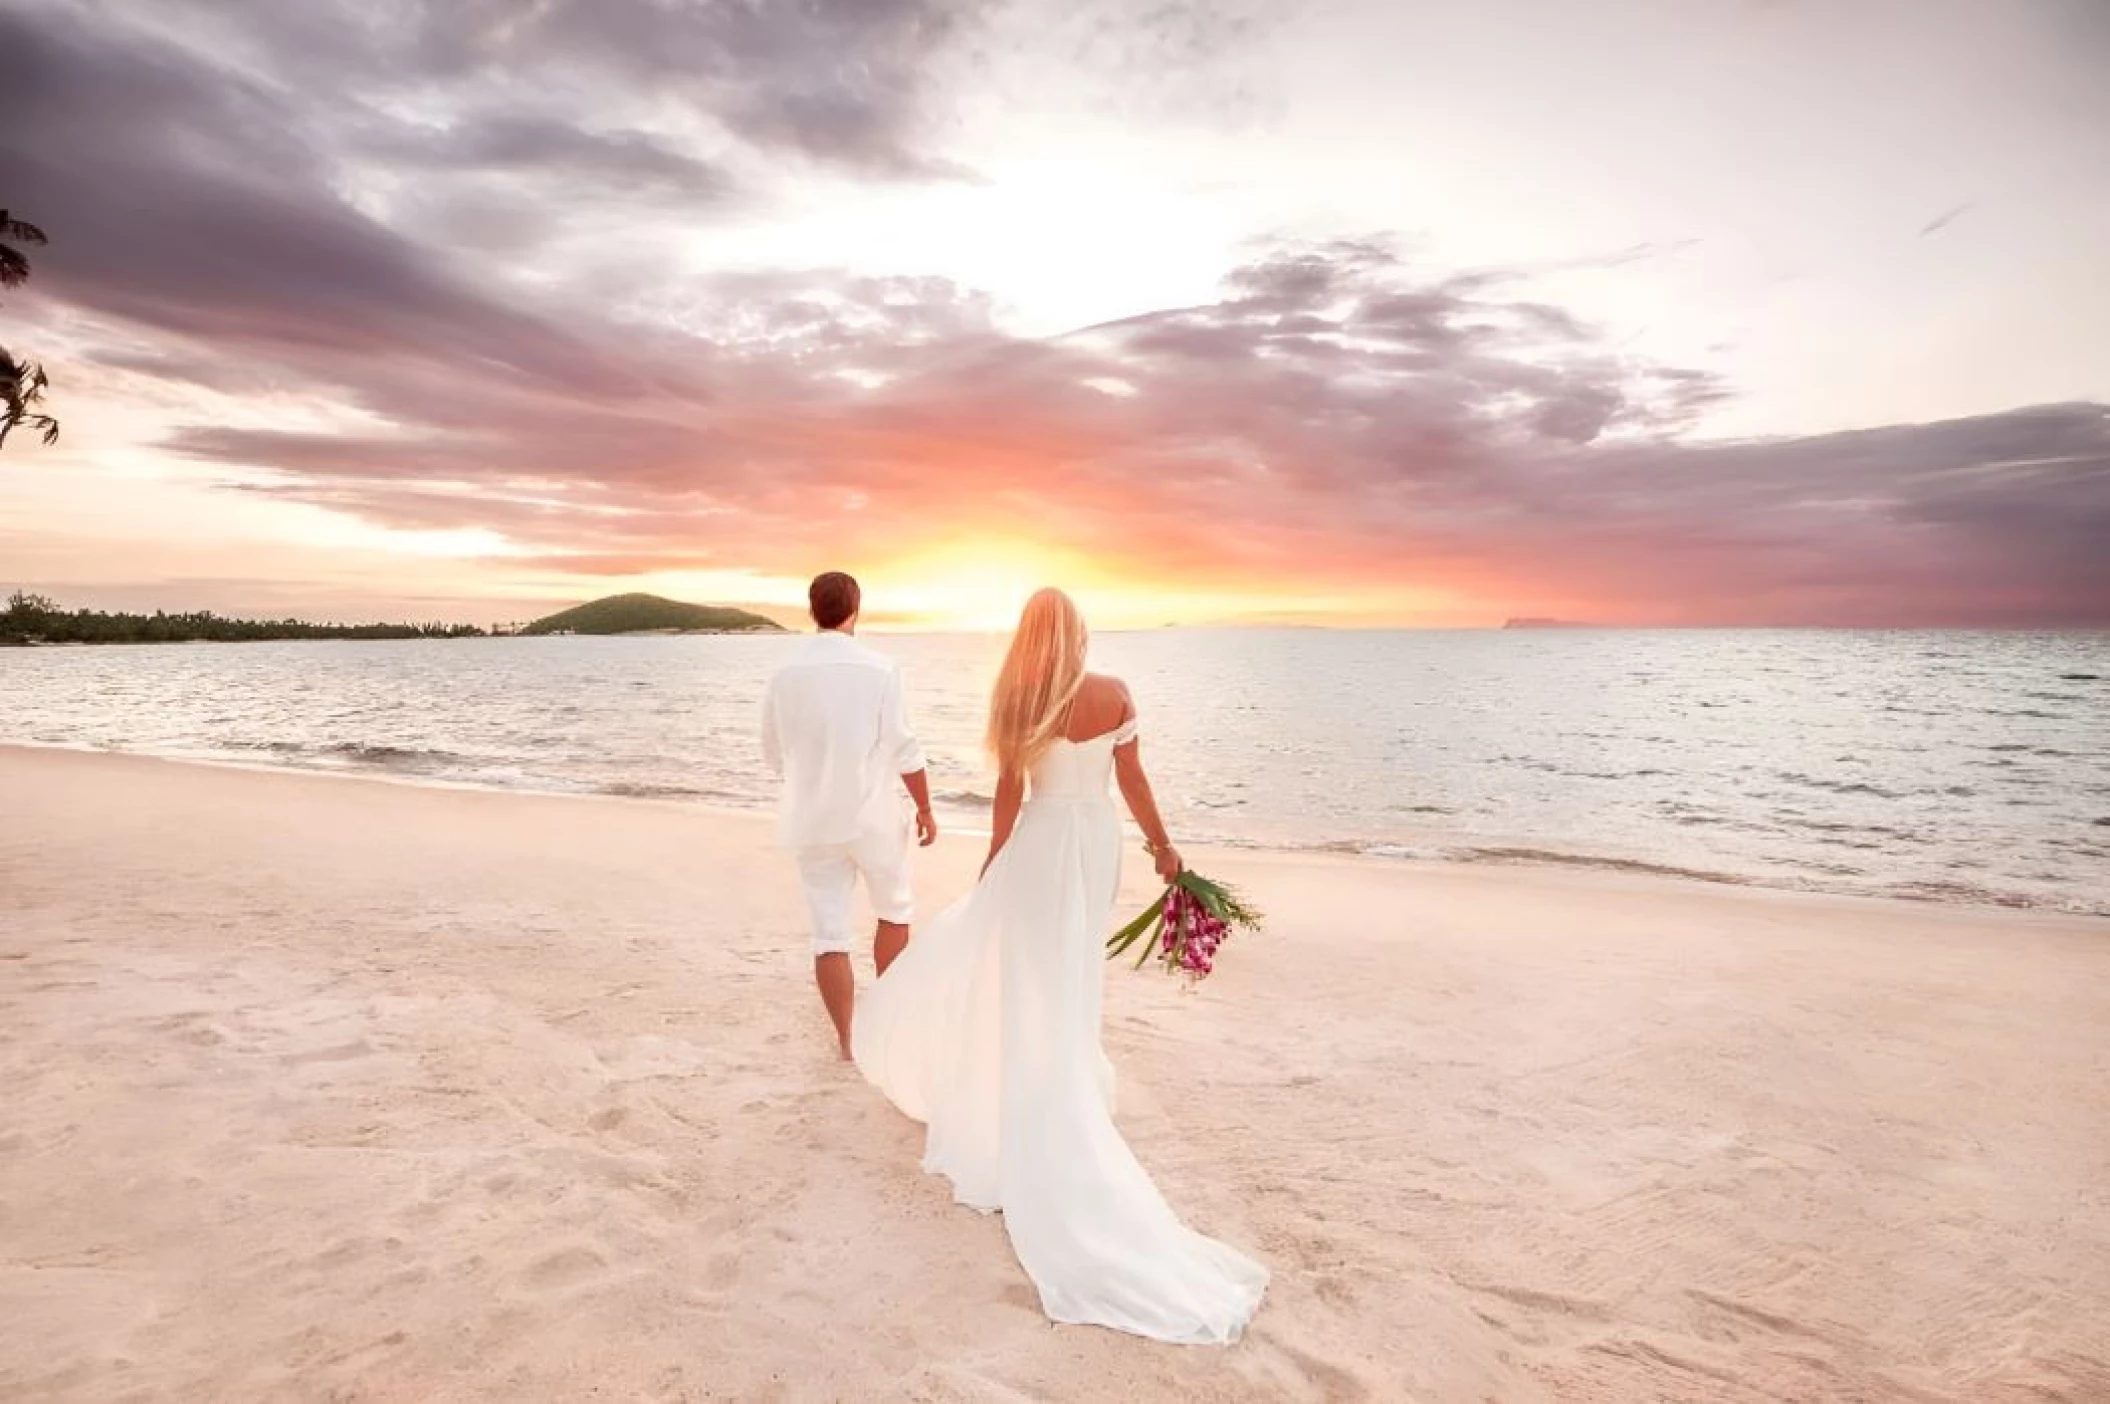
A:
[650, 614]
[1530, 623]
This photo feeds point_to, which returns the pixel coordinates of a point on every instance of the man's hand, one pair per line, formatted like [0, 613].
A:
[917, 783]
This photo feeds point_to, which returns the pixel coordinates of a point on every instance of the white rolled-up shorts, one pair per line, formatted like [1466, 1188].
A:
[880, 855]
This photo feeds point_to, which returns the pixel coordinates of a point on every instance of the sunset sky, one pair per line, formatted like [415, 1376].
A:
[1358, 312]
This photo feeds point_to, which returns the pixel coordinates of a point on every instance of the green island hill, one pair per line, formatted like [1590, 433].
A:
[650, 614]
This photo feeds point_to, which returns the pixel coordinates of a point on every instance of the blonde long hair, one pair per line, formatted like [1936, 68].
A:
[1041, 675]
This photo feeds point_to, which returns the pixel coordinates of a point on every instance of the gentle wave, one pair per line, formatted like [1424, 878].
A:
[1564, 858]
[631, 789]
[352, 753]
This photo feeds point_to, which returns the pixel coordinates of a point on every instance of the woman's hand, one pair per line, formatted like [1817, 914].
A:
[1169, 864]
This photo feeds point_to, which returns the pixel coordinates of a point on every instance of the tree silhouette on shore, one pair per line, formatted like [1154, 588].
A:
[37, 619]
[22, 382]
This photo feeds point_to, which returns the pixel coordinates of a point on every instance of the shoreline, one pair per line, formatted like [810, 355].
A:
[1461, 850]
[1581, 868]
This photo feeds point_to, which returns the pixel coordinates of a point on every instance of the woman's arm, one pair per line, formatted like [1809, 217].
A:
[1135, 788]
[1010, 794]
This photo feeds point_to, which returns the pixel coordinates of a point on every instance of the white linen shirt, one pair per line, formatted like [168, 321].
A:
[833, 727]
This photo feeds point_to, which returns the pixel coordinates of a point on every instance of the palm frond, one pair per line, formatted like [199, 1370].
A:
[22, 385]
[43, 425]
[20, 230]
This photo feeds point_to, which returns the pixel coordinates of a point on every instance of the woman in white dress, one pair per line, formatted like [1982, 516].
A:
[987, 1028]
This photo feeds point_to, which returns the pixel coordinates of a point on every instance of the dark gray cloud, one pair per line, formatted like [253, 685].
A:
[367, 143]
[547, 147]
[192, 202]
[840, 82]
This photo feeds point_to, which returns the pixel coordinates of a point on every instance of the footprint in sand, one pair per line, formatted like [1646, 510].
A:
[1334, 1383]
[340, 1053]
[366, 1355]
[570, 1267]
[194, 1027]
[340, 1253]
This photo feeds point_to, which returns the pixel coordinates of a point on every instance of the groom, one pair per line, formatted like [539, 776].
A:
[834, 729]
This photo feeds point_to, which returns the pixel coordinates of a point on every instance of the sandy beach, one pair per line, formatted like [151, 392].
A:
[336, 1089]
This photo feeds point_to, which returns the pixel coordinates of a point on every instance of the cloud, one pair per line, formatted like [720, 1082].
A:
[838, 82]
[188, 202]
[311, 201]
[544, 146]
[1331, 424]
[1207, 61]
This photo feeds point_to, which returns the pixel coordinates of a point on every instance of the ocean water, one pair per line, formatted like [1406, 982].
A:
[1965, 767]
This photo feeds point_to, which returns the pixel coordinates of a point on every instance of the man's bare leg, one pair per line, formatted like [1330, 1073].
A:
[839, 992]
[887, 942]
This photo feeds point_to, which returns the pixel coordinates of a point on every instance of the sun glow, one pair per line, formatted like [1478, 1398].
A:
[977, 585]
[982, 584]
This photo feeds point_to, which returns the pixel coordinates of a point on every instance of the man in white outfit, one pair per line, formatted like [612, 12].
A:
[834, 729]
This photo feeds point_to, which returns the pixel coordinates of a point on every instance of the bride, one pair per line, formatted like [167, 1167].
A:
[987, 1027]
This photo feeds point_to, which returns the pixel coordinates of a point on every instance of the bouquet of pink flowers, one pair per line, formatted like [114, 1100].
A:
[1184, 927]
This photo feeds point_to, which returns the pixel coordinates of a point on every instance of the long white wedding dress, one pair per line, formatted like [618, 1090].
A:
[986, 1029]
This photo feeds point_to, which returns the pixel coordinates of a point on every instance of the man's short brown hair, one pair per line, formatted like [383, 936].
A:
[834, 598]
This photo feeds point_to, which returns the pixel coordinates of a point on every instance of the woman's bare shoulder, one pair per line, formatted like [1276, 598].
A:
[1102, 704]
[1104, 687]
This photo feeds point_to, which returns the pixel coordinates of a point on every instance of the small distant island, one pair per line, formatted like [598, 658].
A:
[30, 620]
[1530, 623]
[650, 614]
